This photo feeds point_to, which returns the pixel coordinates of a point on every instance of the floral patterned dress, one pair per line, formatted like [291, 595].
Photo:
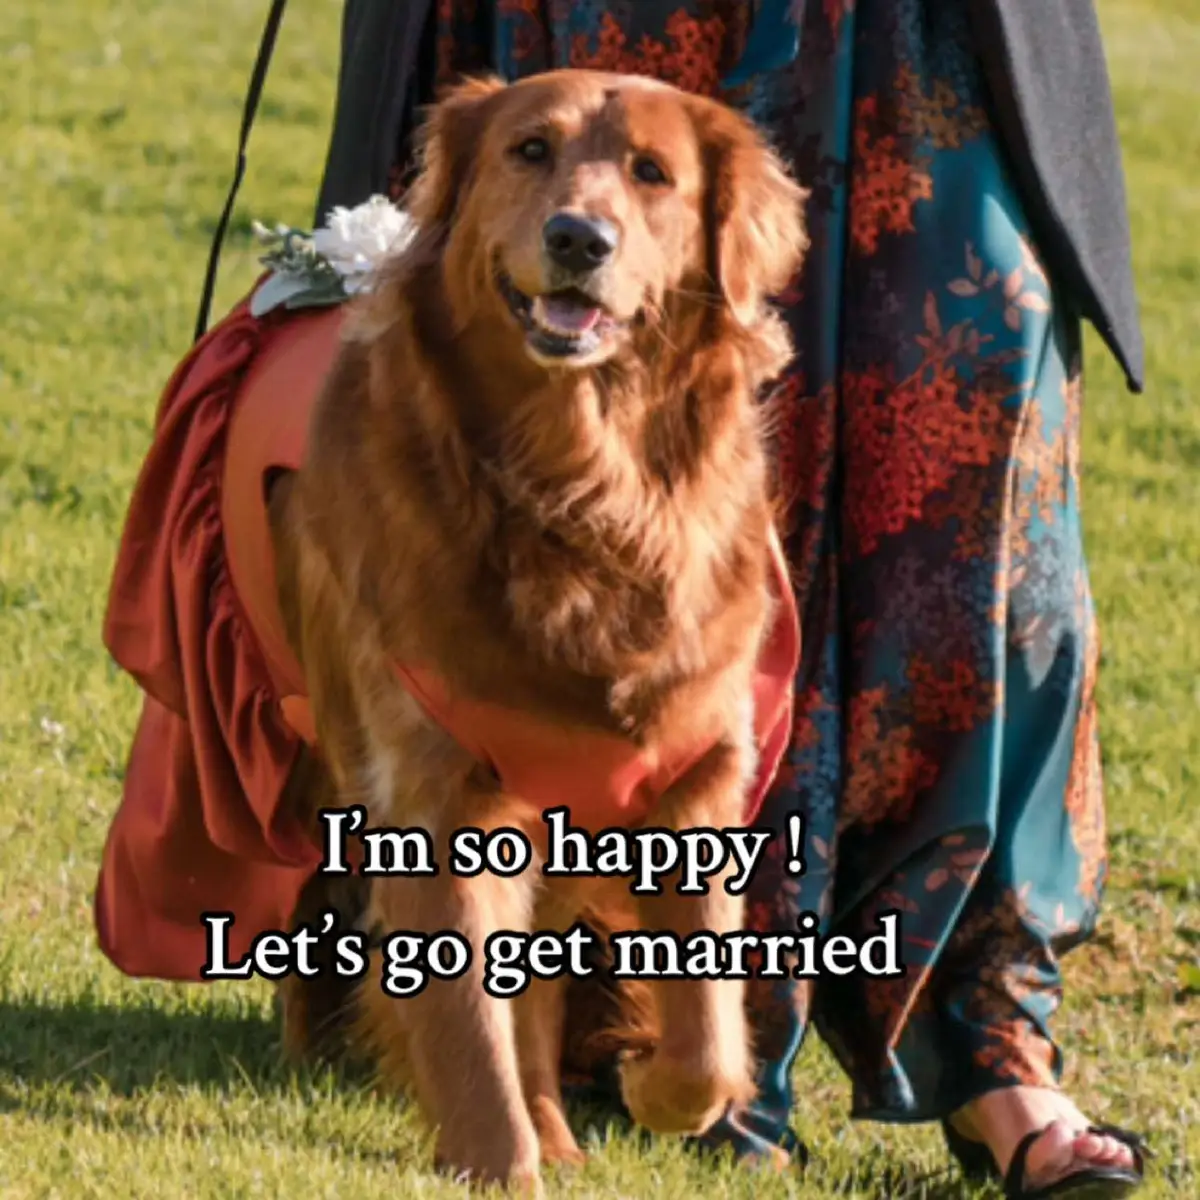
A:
[945, 756]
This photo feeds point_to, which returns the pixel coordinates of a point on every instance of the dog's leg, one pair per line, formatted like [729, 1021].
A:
[540, 1012]
[453, 1043]
[315, 1011]
[702, 1062]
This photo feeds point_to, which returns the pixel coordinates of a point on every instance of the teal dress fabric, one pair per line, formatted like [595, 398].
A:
[945, 756]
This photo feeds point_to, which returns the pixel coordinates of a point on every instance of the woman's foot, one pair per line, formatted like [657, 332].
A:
[1001, 1119]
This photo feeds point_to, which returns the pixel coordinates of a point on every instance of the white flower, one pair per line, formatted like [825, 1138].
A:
[355, 241]
[337, 261]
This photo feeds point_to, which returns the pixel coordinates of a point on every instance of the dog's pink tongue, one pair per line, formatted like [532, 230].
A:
[564, 315]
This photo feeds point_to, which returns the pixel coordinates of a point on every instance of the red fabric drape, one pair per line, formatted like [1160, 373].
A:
[199, 827]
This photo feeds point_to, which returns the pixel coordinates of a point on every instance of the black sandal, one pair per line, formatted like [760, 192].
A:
[1088, 1183]
[974, 1158]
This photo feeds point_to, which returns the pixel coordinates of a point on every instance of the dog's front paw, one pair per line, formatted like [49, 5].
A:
[516, 1168]
[557, 1142]
[674, 1096]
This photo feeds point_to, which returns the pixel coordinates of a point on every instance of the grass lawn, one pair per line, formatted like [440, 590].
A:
[117, 124]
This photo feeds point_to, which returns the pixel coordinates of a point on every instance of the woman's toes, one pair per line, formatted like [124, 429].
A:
[1061, 1150]
[1097, 1148]
[1052, 1154]
[1064, 1146]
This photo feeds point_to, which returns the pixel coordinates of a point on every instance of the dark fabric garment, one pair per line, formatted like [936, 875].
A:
[383, 80]
[1052, 105]
[944, 756]
[1049, 101]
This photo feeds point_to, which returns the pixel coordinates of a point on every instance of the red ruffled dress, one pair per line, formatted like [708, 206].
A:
[193, 617]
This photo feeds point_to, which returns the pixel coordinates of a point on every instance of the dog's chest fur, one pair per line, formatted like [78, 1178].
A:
[600, 566]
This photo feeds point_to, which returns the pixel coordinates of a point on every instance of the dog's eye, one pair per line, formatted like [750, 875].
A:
[646, 170]
[532, 150]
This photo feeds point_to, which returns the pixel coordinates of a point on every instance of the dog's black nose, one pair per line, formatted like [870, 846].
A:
[579, 244]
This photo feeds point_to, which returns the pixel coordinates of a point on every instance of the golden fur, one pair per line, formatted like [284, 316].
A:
[583, 537]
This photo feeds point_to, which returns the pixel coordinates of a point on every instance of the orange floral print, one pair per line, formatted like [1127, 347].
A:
[910, 439]
[689, 58]
[887, 771]
[951, 696]
[885, 183]
[1084, 800]
[936, 115]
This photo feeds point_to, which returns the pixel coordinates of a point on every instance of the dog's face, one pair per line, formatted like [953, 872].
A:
[578, 207]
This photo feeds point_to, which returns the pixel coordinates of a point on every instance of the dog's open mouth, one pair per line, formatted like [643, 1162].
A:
[562, 324]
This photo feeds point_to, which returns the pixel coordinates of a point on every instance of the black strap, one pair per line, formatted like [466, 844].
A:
[265, 47]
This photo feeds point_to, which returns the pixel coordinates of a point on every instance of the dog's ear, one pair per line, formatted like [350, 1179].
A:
[755, 214]
[448, 146]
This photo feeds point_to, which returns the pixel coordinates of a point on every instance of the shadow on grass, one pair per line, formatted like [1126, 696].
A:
[48, 1049]
[61, 1062]
[133, 1047]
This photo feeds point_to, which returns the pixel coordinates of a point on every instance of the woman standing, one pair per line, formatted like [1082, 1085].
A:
[967, 210]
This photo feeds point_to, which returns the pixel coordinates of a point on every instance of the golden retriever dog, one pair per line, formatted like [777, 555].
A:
[537, 470]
